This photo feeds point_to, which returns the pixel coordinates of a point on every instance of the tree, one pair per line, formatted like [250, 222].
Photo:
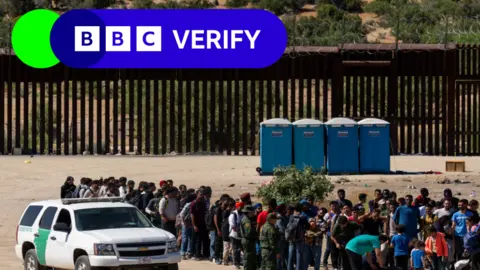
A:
[142, 4]
[236, 3]
[280, 7]
[15, 8]
[291, 185]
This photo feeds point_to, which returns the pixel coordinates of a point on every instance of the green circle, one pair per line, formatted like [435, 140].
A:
[31, 38]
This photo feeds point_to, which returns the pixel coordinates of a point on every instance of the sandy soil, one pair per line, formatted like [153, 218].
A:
[40, 180]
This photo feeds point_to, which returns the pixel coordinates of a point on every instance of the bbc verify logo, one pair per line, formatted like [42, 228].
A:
[158, 38]
[149, 39]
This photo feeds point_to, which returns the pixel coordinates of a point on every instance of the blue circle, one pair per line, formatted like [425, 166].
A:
[62, 38]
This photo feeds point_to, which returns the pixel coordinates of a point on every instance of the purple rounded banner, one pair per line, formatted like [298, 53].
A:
[168, 38]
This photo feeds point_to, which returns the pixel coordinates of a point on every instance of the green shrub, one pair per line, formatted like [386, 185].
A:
[142, 4]
[329, 12]
[236, 3]
[290, 185]
[378, 7]
[15, 8]
[276, 6]
[353, 5]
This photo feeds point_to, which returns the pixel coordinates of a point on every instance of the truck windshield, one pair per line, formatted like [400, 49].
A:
[110, 218]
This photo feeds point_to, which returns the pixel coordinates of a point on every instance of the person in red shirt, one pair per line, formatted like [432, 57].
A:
[355, 215]
[262, 217]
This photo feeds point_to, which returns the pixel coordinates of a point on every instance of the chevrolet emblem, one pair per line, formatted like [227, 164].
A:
[142, 248]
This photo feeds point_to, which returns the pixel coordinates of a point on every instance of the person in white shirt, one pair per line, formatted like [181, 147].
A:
[93, 191]
[111, 191]
[234, 221]
[447, 209]
[103, 188]
[169, 208]
[122, 189]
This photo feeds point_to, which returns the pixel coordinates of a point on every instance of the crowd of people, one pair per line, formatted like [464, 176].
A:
[385, 231]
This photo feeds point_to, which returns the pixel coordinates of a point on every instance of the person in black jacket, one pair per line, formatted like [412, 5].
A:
[142, 197]
[68, 188]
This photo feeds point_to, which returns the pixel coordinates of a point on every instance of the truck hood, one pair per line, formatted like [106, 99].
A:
[131, 235]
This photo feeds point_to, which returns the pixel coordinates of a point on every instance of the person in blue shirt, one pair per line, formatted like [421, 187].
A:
[409, 216]
[401, 243]
[418, 256]
[459, 227]
[306, 206]
[313, 211]
[363, 245]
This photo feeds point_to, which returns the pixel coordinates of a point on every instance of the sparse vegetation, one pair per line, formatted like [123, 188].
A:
[236, 3]
[291, 185]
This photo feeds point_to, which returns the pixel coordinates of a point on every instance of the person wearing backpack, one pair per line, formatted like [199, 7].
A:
[229, 206]
[234, 222]
[295, 235]
[187, 247]
[68, 188]
[84, 187]
[92, 191]
[76, 192]
[211, 227]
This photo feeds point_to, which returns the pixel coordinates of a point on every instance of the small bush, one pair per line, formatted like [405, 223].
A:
[142, 4]
[290, 185]
[276, 6]
[329, 12]
[236, 3]
[353, 5]
[378, 7]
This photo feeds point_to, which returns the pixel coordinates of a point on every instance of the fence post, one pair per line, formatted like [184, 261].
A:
[393, 101]
[451, 74]
[337, 86]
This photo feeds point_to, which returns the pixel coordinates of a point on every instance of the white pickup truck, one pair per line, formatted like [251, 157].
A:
[88, 234]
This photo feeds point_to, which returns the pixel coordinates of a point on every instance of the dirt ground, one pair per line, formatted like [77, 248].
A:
[42, 178]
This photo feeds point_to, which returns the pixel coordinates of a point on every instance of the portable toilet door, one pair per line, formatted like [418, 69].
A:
[342, 146]
[374, 146]
[275, 144]
[308, 144]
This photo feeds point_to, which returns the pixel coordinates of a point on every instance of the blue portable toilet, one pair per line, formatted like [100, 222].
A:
[275, 144]
[308, 144]
[342, 146]
[374, 146]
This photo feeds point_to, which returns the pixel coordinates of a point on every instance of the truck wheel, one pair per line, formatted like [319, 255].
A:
[83, 263]
[172, 266]
[30, 262]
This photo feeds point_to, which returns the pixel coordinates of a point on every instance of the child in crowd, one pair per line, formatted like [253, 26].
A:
[401, 244]
[417, 255]
[436, 248]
